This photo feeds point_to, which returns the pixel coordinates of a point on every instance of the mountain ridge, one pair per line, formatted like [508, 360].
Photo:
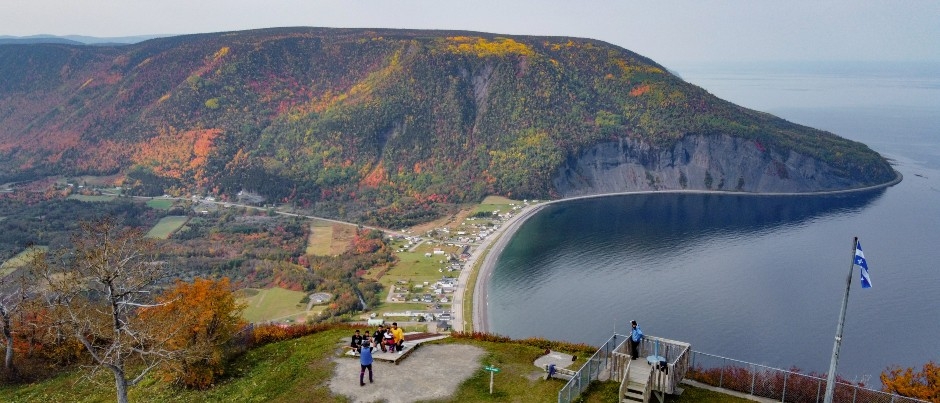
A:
[379, 123]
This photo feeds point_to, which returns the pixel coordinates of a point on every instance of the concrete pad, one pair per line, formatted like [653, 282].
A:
[418, 378]
[561, 360]
[395, 357]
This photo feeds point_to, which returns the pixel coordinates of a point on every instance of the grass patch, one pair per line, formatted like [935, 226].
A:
[320, 241]
[166, 226]
[493, 203]
[290, 371]
[300, 370]
[160, 204]
[277, 303]
[92, 198]
[415, 267]
[20, 260]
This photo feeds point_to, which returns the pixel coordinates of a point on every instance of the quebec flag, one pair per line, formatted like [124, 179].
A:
[861, 262]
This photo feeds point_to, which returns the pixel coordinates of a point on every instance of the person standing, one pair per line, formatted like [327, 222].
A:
[365, 361]
[635, 336]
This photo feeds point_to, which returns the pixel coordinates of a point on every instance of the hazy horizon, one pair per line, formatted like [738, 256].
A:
[669, 32]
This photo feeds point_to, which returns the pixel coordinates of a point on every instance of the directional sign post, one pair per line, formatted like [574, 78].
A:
[492, 370]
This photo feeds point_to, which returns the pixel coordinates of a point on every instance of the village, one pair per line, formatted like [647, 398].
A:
[421, 287]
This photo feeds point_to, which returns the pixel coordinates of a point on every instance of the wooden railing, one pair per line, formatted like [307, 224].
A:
[625, 368]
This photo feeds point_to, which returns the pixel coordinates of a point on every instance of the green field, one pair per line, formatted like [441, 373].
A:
[414, 267]
[99, 198]
[273, 304]
[167, 226]
[160, 204]
[19, 260]
[493, 203]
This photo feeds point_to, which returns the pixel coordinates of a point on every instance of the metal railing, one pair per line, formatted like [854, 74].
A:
[779, 384]
[591, 370]
[676, 354]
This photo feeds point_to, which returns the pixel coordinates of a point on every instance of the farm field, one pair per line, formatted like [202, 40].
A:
[274, 304]
[413, 267]
[19, 260]
[329, 239]
[160, 204]
[166, 226]
[493, 203]
[95, 198]
[320, 240]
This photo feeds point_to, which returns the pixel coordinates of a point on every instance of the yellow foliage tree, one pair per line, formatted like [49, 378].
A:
[909, 383]
[208, 316]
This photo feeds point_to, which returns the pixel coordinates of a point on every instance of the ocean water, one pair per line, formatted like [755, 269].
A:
[756, 278]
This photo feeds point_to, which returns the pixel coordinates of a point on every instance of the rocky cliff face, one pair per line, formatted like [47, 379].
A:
[696, 162]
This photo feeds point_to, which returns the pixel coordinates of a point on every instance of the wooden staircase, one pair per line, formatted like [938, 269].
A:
[635, 384]
[634, 392]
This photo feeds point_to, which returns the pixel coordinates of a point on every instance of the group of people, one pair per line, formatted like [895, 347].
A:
[391, 340]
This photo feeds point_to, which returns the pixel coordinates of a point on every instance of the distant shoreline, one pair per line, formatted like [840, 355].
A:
[501, 237]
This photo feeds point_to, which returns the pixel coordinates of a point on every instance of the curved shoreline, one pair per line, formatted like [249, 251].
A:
[504, 233]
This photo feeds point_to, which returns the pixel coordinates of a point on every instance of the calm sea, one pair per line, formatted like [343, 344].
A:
[756, 278]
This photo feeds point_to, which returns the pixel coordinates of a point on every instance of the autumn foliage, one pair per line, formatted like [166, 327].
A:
[924, 384]
[205, 317]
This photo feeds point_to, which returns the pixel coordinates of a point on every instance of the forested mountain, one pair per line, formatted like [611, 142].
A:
[344, 120]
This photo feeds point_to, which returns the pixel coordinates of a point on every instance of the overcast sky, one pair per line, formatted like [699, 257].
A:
[666, 31]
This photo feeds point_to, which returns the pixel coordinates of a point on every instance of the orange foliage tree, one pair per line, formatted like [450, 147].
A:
[208, 317]
[909, 383]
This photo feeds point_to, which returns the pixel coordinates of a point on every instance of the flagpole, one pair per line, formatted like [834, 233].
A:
[831, 377]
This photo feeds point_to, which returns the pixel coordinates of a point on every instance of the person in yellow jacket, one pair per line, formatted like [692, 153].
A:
[399, 336]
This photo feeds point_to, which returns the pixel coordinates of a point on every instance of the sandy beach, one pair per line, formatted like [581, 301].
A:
[505, 232]
[489, 254]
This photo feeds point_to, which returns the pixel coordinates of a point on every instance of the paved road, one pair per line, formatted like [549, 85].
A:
[498, 239]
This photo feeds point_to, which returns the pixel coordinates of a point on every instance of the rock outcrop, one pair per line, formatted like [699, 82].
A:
[696, 162]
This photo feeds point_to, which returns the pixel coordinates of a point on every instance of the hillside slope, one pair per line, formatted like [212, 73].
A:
[344, 120]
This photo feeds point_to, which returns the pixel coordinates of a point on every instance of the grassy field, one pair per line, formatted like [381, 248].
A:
[329, 239]
[84, 198]
[320, 240]
[416, 268]
[493, 203]
[166, 226]
[19, 260]
[300, 370]
[160, 204]
[275, 304]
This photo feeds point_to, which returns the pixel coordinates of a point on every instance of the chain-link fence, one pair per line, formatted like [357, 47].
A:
[590, 371]
[779, 384]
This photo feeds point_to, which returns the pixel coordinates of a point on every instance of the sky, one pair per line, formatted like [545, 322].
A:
[668, 31]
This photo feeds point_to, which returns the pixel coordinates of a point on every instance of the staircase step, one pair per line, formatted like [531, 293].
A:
[633, 397]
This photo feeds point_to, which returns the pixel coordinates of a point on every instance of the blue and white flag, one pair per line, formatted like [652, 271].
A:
[861, 262]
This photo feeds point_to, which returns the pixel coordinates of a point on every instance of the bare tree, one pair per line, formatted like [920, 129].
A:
[93, 291]
[15, 290]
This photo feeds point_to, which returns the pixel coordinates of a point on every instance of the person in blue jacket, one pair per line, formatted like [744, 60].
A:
[365, 360]
[635, 336]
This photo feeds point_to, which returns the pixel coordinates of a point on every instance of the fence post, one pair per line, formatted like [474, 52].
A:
[721, 373]
[854, 392]
[753, 373]
[818, 385]
[783, 398]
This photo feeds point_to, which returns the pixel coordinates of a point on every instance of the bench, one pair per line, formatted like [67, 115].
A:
[551, 371]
